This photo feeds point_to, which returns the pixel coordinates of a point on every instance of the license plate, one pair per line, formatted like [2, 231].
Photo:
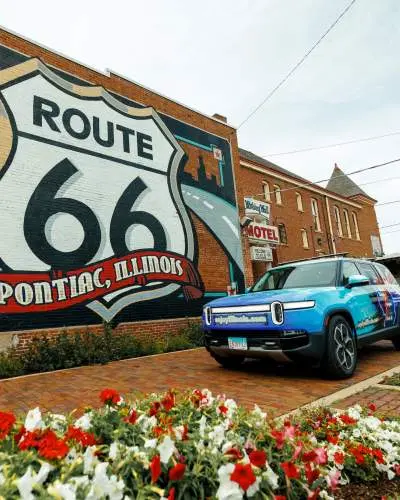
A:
[237, 343]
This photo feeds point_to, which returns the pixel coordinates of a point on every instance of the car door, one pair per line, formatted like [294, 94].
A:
[360, 299]
[384, 315]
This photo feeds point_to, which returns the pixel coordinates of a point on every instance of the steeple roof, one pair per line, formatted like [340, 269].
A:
[341, 184]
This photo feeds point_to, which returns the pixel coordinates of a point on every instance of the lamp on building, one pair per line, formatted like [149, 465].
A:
[245, 221]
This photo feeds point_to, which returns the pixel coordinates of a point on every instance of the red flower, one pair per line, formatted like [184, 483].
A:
[372, 407]
[338, 457]
[176, 472]
[279, 438]
[223, 409]
[7, 420]
[110, 396]
[155, 468]
[171, 494]
[28, 440]
[19, 434]
[169, 401]
[378, 455]
[291, 471]
[346, 419]
[133, 416]
[158, 431]
[185, 433]
[243, 475]
[154, 408]
[397, 469]
[234, 453]
[80, 436]
[332, 438]
[311, 474]
[279, 497]
[309, 456]
[258, 458]
[53, 448]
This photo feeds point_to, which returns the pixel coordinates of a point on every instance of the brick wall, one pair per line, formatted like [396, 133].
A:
[213, 262]
[251, 183]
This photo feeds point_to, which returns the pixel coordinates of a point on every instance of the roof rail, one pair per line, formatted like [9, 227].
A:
[343, 254]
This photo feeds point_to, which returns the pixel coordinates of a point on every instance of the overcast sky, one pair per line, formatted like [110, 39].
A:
[225, 56]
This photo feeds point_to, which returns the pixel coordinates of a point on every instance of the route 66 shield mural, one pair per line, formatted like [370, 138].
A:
[90, 207]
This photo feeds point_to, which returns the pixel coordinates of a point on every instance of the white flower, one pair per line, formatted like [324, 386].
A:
[33, 420]
[324, 495]
[72, 454]
[228, 490]
[166, 449]
[253, 488]
[89, 459]
[104, 486]
[356, 433]
[2, 478]
[354, 412]
[202, 425]
[65, 491]
[57, 421]
[146, 422]
[26, 483]
[217, 435]
[271, 477]
[84, 422]
[150, 443]
[113, 451]
[372, 423]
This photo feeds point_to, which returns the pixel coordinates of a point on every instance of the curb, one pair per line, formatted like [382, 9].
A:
[347, 392]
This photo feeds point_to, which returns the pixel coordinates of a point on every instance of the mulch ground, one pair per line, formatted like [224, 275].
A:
[371, 491]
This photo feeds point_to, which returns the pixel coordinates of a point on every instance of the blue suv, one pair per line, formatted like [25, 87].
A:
[318, 309]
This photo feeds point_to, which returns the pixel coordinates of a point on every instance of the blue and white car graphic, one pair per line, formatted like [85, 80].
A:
[317, 309]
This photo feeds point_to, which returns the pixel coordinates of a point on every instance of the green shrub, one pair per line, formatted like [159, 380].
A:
[10, 364]
[87, 348]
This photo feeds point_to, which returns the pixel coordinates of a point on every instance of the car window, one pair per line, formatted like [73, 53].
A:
[307, 275]
[368, 271]
[386, 274]
[348, 269]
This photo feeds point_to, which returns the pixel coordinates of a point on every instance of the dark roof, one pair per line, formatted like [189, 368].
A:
[341, 184]
[248, 155]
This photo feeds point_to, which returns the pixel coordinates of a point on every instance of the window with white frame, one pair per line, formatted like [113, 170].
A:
[355, 223]
[299, 201]
[347, 223]
[304, 237]
[267, 192]
[278, 196]
[338, 221]
[315, 215]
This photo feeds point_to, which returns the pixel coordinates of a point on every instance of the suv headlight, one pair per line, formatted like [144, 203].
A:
[207, 315]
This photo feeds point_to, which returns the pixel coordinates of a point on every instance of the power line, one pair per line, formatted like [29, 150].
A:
[390, 225]
[334, 177]
[387, 203]
[379, 180]
[390, 232]
[334, 145]
[279, 85]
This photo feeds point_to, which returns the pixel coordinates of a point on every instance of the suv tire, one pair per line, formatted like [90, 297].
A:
[230, 362]
[396, 342]
[340, 358]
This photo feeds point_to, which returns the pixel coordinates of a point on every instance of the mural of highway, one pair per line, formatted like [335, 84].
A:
[220, 216]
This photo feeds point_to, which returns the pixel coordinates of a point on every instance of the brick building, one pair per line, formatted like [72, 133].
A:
[311, 220]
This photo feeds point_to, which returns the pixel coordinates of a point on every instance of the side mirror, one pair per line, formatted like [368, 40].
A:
[357, 280]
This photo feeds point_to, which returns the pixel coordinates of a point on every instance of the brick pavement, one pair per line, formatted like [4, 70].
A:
[387, 401]
[279, 389]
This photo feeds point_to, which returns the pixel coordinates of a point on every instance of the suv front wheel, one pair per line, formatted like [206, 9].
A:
[341, 351]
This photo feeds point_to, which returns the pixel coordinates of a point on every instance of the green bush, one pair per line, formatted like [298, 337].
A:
[86, 348]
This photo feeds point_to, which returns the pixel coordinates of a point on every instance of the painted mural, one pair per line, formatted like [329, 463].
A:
[97, 206]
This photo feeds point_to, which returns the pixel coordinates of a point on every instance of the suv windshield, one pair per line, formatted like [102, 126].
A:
[305, 275]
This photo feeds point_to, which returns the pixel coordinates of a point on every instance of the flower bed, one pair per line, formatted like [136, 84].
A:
[192, 445]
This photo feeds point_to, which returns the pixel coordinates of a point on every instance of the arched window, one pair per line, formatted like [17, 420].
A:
[338, 221]
[267, 192]
[315, 215]
[304, 238]
[299, 201]
[355, 223]
[347, 222]
[278, 196]
[282, 234]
